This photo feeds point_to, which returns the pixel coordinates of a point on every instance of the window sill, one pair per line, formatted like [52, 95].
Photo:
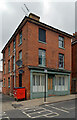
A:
[42, 42]
[19, 44]
[61, 68]
[41, 66]
[62, 48]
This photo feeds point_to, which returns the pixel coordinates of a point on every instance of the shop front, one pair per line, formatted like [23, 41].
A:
[57, 83]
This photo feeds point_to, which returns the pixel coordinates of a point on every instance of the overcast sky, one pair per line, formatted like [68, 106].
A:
[59, 14]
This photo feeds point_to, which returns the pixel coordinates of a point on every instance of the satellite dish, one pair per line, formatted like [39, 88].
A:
[19, 62]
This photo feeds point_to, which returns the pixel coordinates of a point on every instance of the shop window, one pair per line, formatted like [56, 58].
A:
[38, 83]
[61, 83]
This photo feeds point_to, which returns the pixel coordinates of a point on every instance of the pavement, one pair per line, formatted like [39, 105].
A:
[40, 101]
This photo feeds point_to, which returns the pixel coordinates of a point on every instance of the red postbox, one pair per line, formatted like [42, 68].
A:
[19, 93]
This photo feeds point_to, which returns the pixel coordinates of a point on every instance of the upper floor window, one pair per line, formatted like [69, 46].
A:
[9, 50]
[42, 57]
[4, 55]
[13, 62]
[4, 68]
[61, 61]
[14, 44]
[9, 82]
[8, 65]
[20, 55]
[20, 38]
[42, 35]
[4, 82]
[61, 42]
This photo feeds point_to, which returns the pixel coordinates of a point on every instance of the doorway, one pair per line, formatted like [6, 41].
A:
[20, 80]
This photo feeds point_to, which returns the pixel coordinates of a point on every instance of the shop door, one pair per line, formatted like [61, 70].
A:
[20, 80]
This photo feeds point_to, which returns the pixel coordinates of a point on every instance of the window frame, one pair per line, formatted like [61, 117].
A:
[61, 39]
[14, 44]
[4, 69]
[40, 56]
[8, 66]
[4, 83]
[40, 36]
[9, 50]
[9, 82]
[13, 63]
[20, 38]
[60, 54]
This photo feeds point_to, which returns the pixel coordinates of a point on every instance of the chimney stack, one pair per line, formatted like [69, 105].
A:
[35, 17]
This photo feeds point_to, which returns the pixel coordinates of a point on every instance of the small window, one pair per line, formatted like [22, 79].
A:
[20, 55]
[8, 65]
[61, 42]
[9, 82]
[20, 38]
[4, 68]
[61, 61]
[42, 57]
[4, 82]
[4, 56]
[42, 35]
[13, 63]
[14, 44]
[9, 50]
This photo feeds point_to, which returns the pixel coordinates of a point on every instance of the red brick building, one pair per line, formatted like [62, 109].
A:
[74, 64]
[0, 81]
[42, 50]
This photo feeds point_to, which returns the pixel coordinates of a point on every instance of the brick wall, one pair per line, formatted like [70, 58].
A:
[29, 47]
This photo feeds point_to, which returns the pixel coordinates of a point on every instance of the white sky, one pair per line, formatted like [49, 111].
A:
[57, 13]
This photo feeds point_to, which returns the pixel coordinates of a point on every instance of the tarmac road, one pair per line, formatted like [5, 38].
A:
[65, 109]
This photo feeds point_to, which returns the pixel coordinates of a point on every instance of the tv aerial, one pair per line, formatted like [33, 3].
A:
[26, 13]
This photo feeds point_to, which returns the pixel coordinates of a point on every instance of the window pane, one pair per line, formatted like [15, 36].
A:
[43, 80]
[59, 80]
[20, 38]
[63, 81]
[9, 50]
[20, 55]
[42, 35]
[37, 80]
[33, 80]
[9, 66]
[14, 44]
[41, 57]
[8, 82]
[61, 60]
[61, 41]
